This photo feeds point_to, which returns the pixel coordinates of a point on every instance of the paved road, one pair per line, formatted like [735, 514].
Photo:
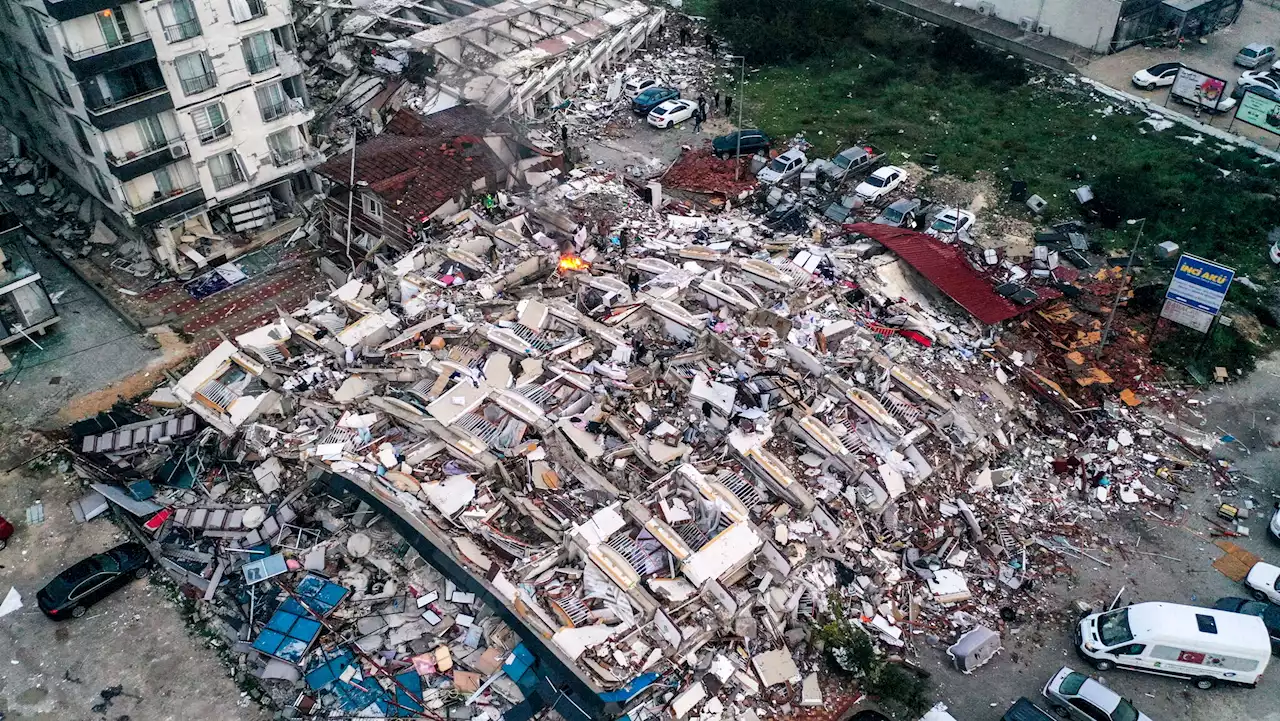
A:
[1257, 23]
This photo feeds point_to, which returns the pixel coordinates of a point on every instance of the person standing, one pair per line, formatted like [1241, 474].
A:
[698, 117]
[702, 103]
[728, 105]
[715, 101]
[712, 44]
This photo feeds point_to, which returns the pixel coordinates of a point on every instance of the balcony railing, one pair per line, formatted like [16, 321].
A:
[260, 62]
[198, 84]
[159, 198]
[277, 110]
[114, 113]
[284, 157]
[97, 49]
[132, 155]
[136, 164]
[226, 180]
[182, 31]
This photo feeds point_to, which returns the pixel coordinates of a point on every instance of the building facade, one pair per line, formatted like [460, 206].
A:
[185, 118]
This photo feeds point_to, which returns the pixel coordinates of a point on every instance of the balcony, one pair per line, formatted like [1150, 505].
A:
[84, 64]
[288, 156]
[177, 32]
[151, 158]
[126, 110]
[226, 180]
[198, 84]
[62, 10]
[179, 201]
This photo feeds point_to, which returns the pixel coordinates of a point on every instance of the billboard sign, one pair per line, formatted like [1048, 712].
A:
[1259, 112]
[1198, 88]
[1200, 283]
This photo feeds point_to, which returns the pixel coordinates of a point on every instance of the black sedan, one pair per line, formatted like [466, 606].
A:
[93, 579]
[1269, 613]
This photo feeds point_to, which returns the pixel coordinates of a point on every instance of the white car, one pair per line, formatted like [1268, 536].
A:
[1157, 76]
[1263, 78]
[635, 86]
[952, 221]
[1264, 582]
[668, 114]
[1274, 526]
[881, 183]
[783, 168]
[1074, 695]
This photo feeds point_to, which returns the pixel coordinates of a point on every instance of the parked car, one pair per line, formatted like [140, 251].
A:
[1024, 710]
[668, 114]
[1273, 528]
[1255, 54]
[74, 590]
[635, 86]
[880, 183]
[1264, 582]
[1074, 695]
[1157, 76]
[783, 168]
[1269, 613]
[905, 213]
[6, 530]
[951, 220]
[1222, 105]
[752, 141]
[650, 98]
[1268, 90]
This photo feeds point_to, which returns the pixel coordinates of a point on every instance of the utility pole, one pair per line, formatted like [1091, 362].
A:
[742, 98]
[1124, 282]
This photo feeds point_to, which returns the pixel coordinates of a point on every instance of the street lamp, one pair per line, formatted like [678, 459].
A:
[742, 97]
[1128, 268]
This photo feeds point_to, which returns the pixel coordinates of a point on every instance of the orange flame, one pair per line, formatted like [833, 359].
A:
[570, 262]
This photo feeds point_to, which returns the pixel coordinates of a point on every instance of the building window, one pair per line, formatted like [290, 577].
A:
[81, 137]
[242, 10]
[179, 20]
[7, 13]
[211, 123]
[225, 170]
[371, 205]
[272, 101]
[164, 181]
[284, 147]
[100, 183]
[195, 72]
[22, 56]
[259, 52]
[151, 131]
[60, 85]
[115, 29]
[37, 29]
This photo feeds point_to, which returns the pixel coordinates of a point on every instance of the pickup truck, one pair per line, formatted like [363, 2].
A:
[848, 163]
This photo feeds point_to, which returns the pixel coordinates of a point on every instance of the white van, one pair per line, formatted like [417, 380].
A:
[1202, 644]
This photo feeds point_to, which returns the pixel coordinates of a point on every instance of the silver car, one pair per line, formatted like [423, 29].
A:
[1255, 54]
[1075, 696]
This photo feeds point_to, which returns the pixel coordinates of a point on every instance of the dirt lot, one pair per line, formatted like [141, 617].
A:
[134, 642]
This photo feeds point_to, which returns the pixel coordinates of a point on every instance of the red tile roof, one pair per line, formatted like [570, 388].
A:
[420, 163]
[947, 268]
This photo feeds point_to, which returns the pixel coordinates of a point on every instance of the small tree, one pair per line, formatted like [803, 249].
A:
[851, 652]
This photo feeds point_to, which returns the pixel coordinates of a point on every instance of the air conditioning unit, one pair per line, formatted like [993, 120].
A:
[1027, 24]
[1043, 30]
[178, 150]
[986, 9]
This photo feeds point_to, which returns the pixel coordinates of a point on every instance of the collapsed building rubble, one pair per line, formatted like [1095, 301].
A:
[591, 450]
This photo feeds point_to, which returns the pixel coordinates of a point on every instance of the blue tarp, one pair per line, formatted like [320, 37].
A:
[317, 594]
[288, 635]
[406, 706]
[353, 696]
[631, 690]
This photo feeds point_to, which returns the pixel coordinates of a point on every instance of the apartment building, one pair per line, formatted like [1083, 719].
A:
[185, 118]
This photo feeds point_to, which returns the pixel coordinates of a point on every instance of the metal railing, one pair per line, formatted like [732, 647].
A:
[198, 84]
[216, 132]
[275, 110]
[132, 155]
[226, 180]
[158, 197]
[99, 49]
[260, 62]
[284, 157]
[118, 103]
[184, 30]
